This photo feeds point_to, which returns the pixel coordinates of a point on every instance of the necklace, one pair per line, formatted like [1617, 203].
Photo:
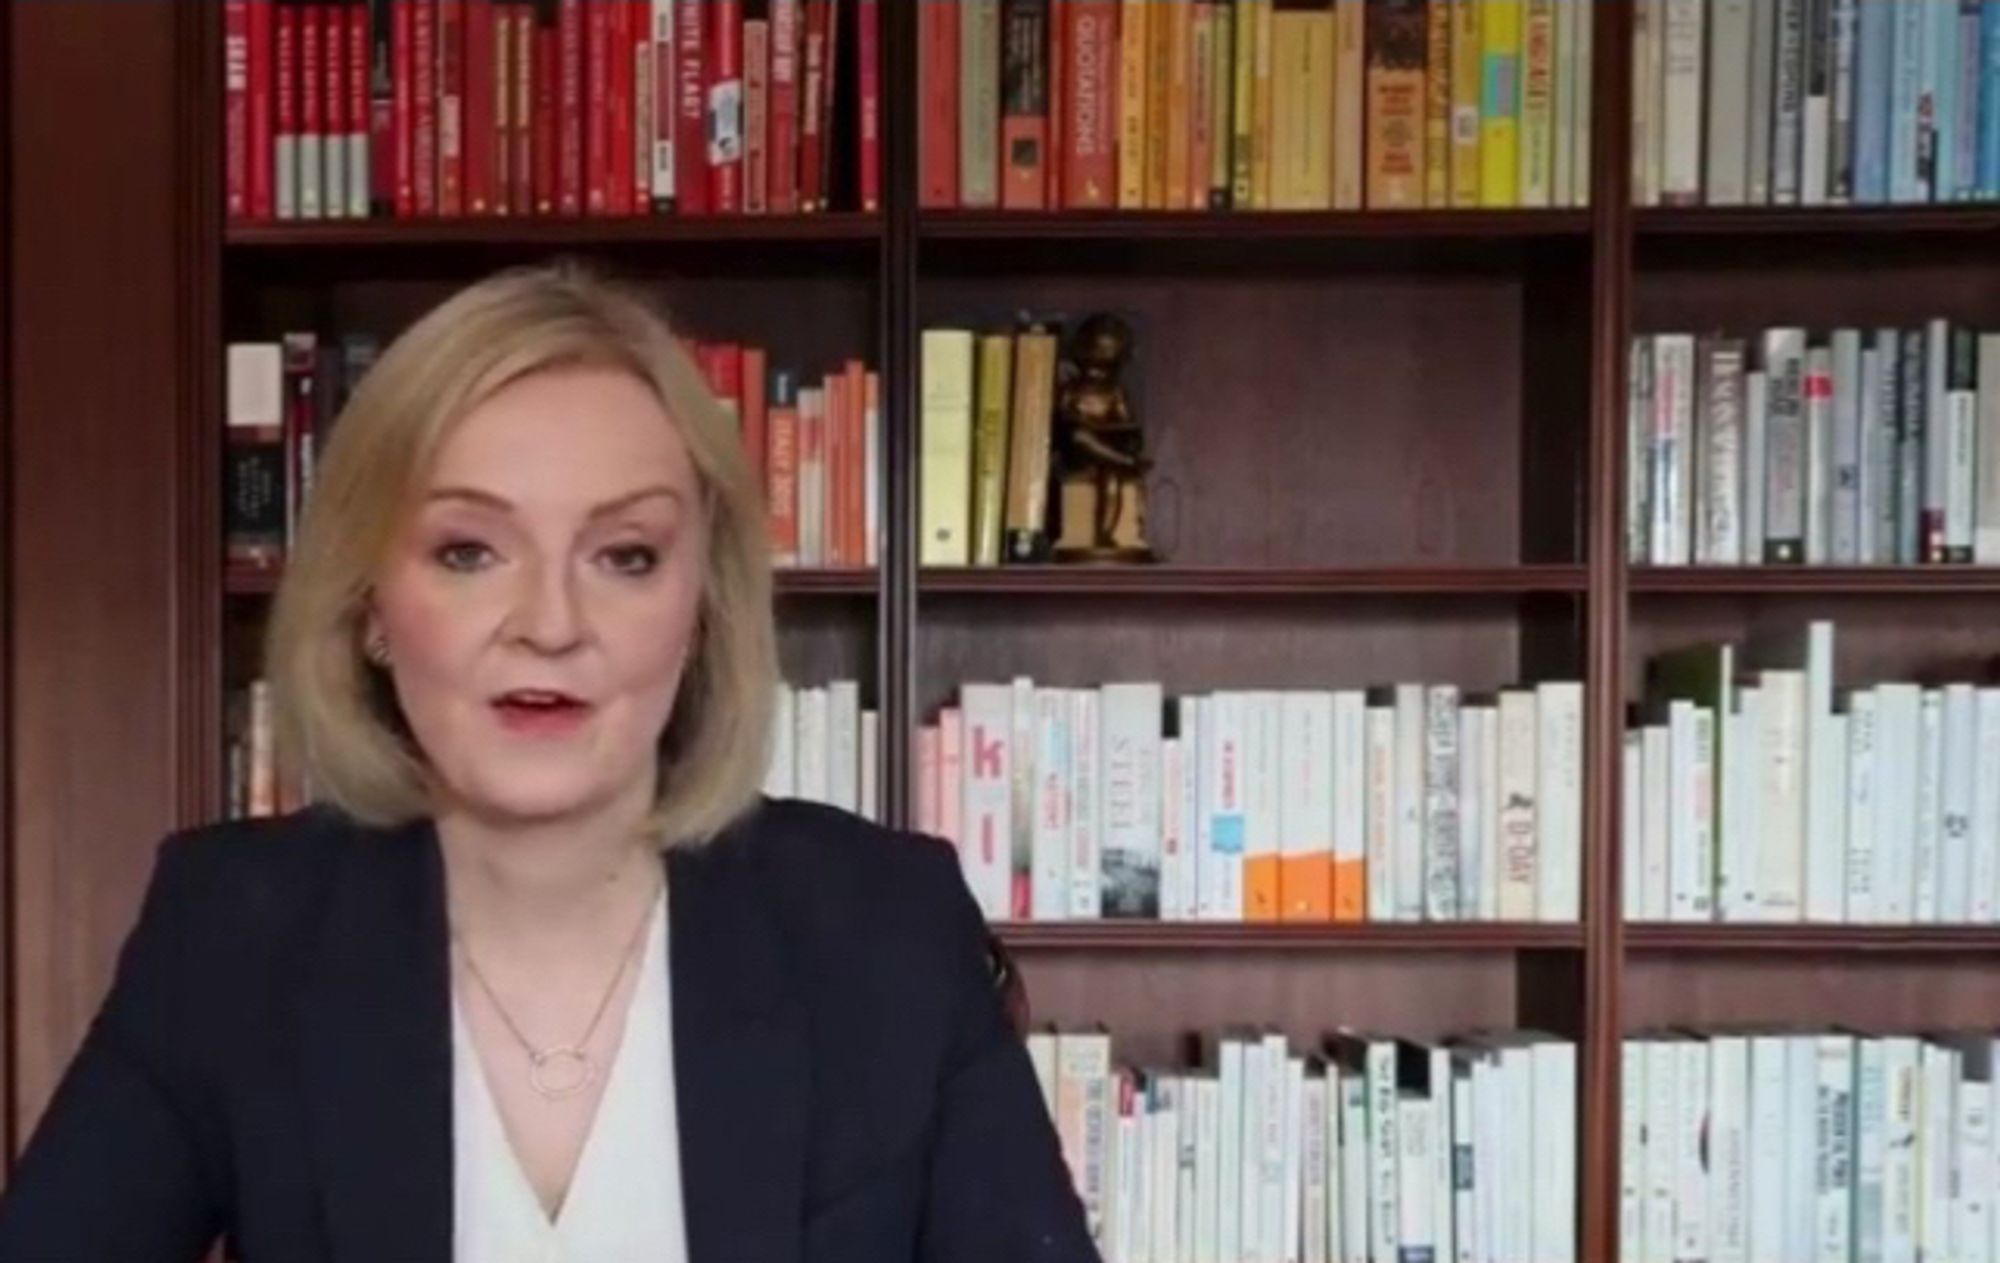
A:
[560, 1070]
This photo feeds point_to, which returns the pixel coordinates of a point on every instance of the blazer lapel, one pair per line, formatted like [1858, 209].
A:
[377, 1050]
[740, 1061]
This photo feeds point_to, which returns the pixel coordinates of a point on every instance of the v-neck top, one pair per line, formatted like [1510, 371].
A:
[624, 1200]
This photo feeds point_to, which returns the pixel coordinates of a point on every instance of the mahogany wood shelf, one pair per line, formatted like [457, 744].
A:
[1120, 935]
[1250, 580]
[1820, 580]
[1117, 225]
[1748, 221]
[1758, 938]
[553, 231]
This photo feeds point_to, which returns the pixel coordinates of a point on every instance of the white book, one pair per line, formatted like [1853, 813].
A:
[1663, 1146]
[1770, 1144]
[779, 779]
[1681, 102]
[1023, 751]
[1975, 1164]
[1207, 1164]
[1671, 444]
[1826, 869]
[1788, 102]
[1332, 1228]
[1782, 812]
[1084, 1112]
[1728, 141]
[1691, 1216]
[1903, 1100]
[1415, 1173]
[1311, 1219]
[1305, 808]
[1870, 1118]
[1937, 1136]
[1356, 1202]
[1816, 114]
[1176, 868]
[1718, 521]
[1278, 1105]
[1464, 1222]
[1802, 1162]
[1755, 413]
[1379, 731]
[1861, 817]
[1834, 1145]
[1250, 1173]
[1729, 1149]
[1986, 815]
[1407, 856]
[1441, 806]
[1263, 765]
[1086, 817]
[1959, 753]
[1163, 1186]
[1986, 477]
[1129, 793]
[1688, 813]
[1350, 799]
[1927, 851]
[1632, 824]
[1050, 878]
[1740, 857]
[811, 745]
[1385, 1146]
[1444, 1202]
[1844, 500]
[987, 713]
[1559, 798]
[1656, 842]
[1554, 1167]
[1520, 827]
[1819, 455]
[1220, 872]
[1962, 459]
[1632, 1152]
[871, 766]
[1231, 1054]
[1898, 723]
[1762, 106]
[1870, 484]
[1488, 830]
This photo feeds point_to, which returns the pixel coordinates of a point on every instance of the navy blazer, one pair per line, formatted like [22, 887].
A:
[273, 1064]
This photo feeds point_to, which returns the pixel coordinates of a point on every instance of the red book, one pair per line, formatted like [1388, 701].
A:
[519, 140]
[1024, 106]
[596, 96]
[572, 162]
[755, 421]
[782, 111]
[311, 87]
[724, 66]
[756, 116]
[481, 62]
[639, 157]
[812, 104]
[1056, 55]
[829, 94]
[236, 106]
[618, 100]
[937, 122]
[832, 448]
[262, 110]
[666, 104]
[691, 119]
[868, 88]
[1086, 146]
[451, 136]
[424, 84]
[285, 60]
[333, 119]
[360, 112]
[404, 58]
[547, 106]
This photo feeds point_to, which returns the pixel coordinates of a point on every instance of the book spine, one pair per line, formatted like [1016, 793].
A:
[1785, 446]
[1763, 99]
[1024, 105]
[723, 105]
[691, 179]
[1500, 103]
[1875, 54]
[1397, 40]
[1789, 102]
[868, 104]
[1844, 68]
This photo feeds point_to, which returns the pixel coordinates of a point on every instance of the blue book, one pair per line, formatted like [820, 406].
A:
[1971, 59]
[1871, 100]
[1989, 100]
[1941, 73]
[1907, 130]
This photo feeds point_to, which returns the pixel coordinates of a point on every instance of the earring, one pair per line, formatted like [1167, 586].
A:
[377, 650]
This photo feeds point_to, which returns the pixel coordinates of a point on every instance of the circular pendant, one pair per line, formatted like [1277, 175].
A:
[560, 1072]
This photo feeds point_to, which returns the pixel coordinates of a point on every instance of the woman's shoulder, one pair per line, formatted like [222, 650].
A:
[247, 884]
[843, 865]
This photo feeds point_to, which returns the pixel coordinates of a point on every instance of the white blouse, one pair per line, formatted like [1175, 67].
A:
[624, 1201]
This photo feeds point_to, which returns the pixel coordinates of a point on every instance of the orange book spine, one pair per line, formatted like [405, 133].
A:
[1056, 58]
[1260, 887]
[1159, 98]
[1305, 885]
[1350, 889]
[756, 412]
[937, 84]
[781, 475]
[833, 459]
[853, 524]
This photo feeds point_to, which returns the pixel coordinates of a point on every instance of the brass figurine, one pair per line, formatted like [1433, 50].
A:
[1100, 449]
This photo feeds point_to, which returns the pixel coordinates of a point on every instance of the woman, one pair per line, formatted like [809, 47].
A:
[464, 1010]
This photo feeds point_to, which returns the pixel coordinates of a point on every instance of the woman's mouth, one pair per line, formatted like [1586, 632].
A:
[541, 712]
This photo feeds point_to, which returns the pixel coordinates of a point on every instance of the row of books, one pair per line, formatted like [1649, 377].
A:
[1754, 791]
[1181, 105]
[1412, 802]
[1775, 1146]
[1367, 1147]
[346, 109]
[1786, 446]
[986, 443]
[1815, 102]
[814, 442]
[825, 747]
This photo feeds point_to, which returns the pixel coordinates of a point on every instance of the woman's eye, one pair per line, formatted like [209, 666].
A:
[632, 559]
[463, 555]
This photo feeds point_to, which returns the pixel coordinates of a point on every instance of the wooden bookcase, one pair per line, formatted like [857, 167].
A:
[1391, 446]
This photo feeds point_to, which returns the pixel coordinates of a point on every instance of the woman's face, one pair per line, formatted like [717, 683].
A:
[539, 604]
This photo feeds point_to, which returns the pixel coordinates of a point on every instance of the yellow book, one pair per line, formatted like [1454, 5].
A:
[1222, 99]
[1437, 106]
[1260, 105]
[1302, 111]
[1159, 101]
[1132, 104]
[1350, 95]
[1242, 103]
[1538, 104]
[989, 446]
[945, 464]
[1500, 103]
[1466, 54]
[1180, 102]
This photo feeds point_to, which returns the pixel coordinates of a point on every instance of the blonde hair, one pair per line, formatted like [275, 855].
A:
[336, 712]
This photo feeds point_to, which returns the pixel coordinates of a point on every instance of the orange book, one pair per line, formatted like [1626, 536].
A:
[756, 421]
[853, 524]
[1350, 889]
[1180, 104]
[1305, 887]
[1055, 57]
[833, 487]
[1159, 98]
[781, 472]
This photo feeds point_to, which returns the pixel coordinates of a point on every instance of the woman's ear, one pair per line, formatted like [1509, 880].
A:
[374, 642]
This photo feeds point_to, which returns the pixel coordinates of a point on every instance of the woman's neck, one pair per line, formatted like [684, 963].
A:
[546, 881]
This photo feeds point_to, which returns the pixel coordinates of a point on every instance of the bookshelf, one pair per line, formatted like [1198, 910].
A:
[1454, 514]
